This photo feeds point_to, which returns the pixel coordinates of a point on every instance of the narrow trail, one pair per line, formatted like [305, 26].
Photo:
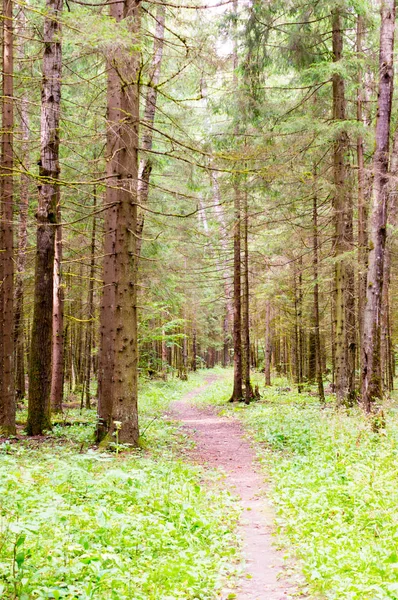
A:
[220, 443]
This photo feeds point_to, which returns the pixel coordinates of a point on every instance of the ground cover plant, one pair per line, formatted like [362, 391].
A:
[78, 522]
[333, 481]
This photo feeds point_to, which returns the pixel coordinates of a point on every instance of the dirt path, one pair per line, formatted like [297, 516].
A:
[220, 443]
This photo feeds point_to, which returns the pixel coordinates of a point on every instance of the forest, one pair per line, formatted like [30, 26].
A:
[198, 325]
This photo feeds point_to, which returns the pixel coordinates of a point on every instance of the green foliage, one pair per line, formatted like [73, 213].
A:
[334, 485]
[93, 525]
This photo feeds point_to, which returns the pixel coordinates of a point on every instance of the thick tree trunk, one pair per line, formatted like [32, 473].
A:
[57, 376]
[22, 244]
[362, 200]
[41, 343]
[371, 375]
[107, 310]
[124, 410]
[7, 389]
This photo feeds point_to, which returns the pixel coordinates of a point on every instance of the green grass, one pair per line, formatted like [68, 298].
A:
[78, 523]
[334, 484]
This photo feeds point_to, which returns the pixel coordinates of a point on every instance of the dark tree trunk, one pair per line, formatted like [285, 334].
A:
[125, 409]
[7, 389]
[41, 342]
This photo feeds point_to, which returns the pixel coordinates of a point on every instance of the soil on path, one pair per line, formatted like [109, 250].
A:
[220, 443]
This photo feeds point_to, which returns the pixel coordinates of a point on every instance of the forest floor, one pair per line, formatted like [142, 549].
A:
[175, 519]
[220, 443]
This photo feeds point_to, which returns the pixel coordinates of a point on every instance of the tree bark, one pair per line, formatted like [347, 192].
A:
[125, 384]
[57, 376]
[362, 201]
[317, 338]
[90, 305]
[237, 392]
[41, 341]
[246, 305]
[107, 310]
[371, 375]
[7, 389]
[22, 240]
[344, 347]
[267, 346]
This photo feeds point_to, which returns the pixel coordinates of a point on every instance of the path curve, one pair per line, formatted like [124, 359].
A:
[220, 443]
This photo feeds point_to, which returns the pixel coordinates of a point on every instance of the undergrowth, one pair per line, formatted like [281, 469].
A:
[334, 484]
[78, 523]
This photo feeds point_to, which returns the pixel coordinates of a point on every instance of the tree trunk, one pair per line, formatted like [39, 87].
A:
[317, 338]
[41, 342]
[371, 376]
[22, 242]
[339, 203]
[7, 390]
[267, 346]
[246, 305]
[362, 202]
[90, 305]
[237, 393]
[107, 310]
[124, 410]
[57, 377]
[386, 347]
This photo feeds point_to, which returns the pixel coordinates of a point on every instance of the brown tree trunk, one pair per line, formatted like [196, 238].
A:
[7, 390]
[297, 328]
[57, 376]
[386, 347]
[246, 305]
[124, 410]
[362, 202]
[371, 376]
[90, 306]
[267, 345]
[339, 205]
[107, 310]
[22, 243]
[317, 338]
[343, 233]
[237, 392]
[41, 343]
